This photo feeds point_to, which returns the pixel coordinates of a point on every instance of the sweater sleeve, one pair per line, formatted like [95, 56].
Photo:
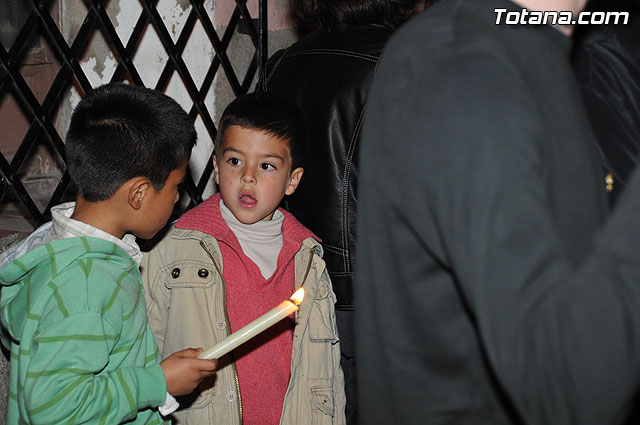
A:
[64, 380]
[557, 332]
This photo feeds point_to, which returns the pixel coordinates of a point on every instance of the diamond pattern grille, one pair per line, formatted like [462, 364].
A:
[41, 114]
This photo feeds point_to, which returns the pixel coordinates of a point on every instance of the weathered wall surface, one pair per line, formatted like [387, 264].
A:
[43, 168]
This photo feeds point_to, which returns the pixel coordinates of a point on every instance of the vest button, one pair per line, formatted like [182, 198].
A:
[175, 273]
[203, 273]
[221, 325]
[231, 396]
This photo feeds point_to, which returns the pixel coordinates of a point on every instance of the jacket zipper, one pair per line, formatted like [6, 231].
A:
[226, 316]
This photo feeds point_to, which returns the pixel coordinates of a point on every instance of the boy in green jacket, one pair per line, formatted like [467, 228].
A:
[71, 307]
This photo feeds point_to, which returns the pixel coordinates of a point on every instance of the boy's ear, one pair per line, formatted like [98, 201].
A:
[137, 191]
[294, 180]
[216, 175]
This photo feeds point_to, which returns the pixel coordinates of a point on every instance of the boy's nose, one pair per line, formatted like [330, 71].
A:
[248, 178]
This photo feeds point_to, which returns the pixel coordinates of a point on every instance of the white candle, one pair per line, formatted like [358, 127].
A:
[284, 309]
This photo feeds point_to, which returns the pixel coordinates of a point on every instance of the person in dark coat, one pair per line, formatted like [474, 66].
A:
[327, 74]
[492, 288]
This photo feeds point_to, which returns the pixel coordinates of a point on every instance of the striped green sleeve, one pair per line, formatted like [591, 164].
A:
[73, 374]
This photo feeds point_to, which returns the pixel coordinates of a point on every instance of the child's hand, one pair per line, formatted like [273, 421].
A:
[183, 371]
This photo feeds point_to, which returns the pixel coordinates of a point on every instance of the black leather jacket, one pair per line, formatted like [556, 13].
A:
[607, 64]
[328, 75]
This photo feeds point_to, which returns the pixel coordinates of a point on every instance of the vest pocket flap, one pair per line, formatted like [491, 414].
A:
[322, 399]
[189, 274]
[321, 290]
[320, 322]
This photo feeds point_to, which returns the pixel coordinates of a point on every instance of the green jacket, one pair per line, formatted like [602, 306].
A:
[73, 316]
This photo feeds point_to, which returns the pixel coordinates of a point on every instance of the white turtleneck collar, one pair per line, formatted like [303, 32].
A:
[261, 241]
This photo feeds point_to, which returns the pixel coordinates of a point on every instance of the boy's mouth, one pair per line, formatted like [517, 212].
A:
[247, 199]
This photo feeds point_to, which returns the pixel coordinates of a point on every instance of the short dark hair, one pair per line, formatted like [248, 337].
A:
[120, 131]
[339, 15]
[270, 113]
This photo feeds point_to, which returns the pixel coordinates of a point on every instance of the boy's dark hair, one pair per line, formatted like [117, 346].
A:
[120, 131]
[339, 15]
[266, 112]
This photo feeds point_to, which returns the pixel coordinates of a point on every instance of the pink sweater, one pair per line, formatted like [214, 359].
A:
[263, 363]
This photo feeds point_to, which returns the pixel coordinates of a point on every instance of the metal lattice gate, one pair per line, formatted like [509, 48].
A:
[40, 108]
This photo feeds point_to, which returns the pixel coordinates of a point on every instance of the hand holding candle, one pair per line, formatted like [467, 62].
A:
[284, 309]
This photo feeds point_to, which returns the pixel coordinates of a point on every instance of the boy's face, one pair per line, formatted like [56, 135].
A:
[252, 169]
[159, 204]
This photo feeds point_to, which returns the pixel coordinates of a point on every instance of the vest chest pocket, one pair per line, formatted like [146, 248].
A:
[189, 274]
[190, 283]
[321, 327]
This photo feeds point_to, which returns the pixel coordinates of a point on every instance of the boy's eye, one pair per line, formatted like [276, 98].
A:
[267, 166]
[234, 161]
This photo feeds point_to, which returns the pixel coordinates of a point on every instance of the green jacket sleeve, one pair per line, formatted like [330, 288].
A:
[71, 376]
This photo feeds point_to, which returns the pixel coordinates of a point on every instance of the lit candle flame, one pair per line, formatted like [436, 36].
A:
[298, 296]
